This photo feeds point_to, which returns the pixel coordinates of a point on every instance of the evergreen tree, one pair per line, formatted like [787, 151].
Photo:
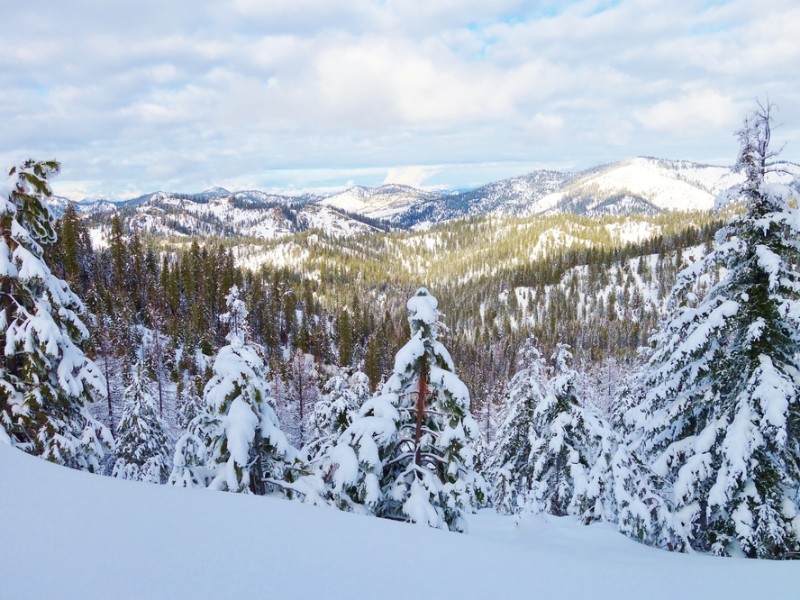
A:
[302, 393]
[564, 443]
[409, 455]
[143, 451]
[509, 466]
[188, 403]
[46, 381]
[342, 397]
[555, 454]
[237, 434]
[720, 418]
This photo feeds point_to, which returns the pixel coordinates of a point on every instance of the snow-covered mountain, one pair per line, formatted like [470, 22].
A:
[218, 212]
[387, 202]
[639, 185]
[632, 186]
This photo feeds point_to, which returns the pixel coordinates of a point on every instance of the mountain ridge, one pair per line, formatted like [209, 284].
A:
[638, 185]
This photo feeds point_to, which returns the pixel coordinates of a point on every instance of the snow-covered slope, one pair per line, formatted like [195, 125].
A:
[75, 535]
[639, 185]
[250, 214]
[384, 202]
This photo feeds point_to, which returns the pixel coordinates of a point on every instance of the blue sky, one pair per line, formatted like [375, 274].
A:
[314, 95]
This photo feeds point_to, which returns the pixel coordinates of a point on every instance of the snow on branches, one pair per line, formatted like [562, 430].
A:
[409, 454]
[46, 381]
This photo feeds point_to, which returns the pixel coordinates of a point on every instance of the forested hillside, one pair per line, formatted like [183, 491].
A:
[598, 284]
[639, 370]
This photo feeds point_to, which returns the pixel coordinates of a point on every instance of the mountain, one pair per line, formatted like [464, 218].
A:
[639, 185]
[633, 186]
[387, 202]
[218, 212]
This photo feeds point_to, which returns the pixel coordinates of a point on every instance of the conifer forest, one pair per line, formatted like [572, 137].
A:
[525, 364]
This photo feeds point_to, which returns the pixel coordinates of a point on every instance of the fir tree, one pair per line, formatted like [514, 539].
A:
[237, 434]
[566, 440]
[409, 455]
[342, 397]
[509, 466]
[143, 451]
[46, 381]
[721, 415]
[188, 403]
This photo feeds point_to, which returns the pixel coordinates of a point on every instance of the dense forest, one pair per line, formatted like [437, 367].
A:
[612, 368]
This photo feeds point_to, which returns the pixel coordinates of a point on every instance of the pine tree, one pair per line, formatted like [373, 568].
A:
[342, 397]
[556, 454]
[566, 439]
[341, 400]
[46, 381]
[143, 447]
[721, 416]
[409, 455]
[509, 466]
[237, 434]
[188, 403]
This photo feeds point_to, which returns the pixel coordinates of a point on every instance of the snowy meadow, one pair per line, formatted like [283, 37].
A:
[77, 535]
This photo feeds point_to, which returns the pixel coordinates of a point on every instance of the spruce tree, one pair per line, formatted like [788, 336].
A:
[46, 381]
[509, 466]
[720, 418]
[556, 454]
[342, 397]
[566, 440]
[143, 447]
[237, 433]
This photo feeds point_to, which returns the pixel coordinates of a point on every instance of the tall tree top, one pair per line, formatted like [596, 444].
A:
[423, 313]
[21, 199]
[754, 153]
[235, 318]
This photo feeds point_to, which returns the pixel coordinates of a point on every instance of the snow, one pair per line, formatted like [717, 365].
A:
[240, 426]
[379, 203]
[76, 535]
[664, 187]
[422, 307]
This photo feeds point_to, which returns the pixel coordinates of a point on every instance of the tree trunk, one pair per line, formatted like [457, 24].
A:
[422, 394]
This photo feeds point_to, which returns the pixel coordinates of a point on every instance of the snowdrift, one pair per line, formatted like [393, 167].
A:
[69, 534]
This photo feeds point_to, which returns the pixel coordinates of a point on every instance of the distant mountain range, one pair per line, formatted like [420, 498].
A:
[632, 186]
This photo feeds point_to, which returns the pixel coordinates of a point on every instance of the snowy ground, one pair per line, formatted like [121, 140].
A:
[74, 535]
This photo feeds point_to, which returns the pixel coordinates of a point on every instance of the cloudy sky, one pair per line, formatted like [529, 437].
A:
[181, 95]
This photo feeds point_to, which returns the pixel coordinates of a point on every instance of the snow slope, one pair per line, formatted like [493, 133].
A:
[75, 535]
[664, 185]
[383, 202]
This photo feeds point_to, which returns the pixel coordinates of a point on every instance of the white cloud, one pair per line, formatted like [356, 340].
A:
[694, 111]
[182, 94]
[415, 176]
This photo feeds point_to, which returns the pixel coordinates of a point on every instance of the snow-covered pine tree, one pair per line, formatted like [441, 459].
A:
[189, 463]
[509, 467]
[342, 397]
[631, 494]
[550, 443]
[566, 440]
[188, 403]
[237, 433]
[302, 394]
[46, 381]
[143, 448]
[721, 417]
[409, 455]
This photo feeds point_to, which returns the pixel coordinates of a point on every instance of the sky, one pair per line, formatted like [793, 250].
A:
[313, 95]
